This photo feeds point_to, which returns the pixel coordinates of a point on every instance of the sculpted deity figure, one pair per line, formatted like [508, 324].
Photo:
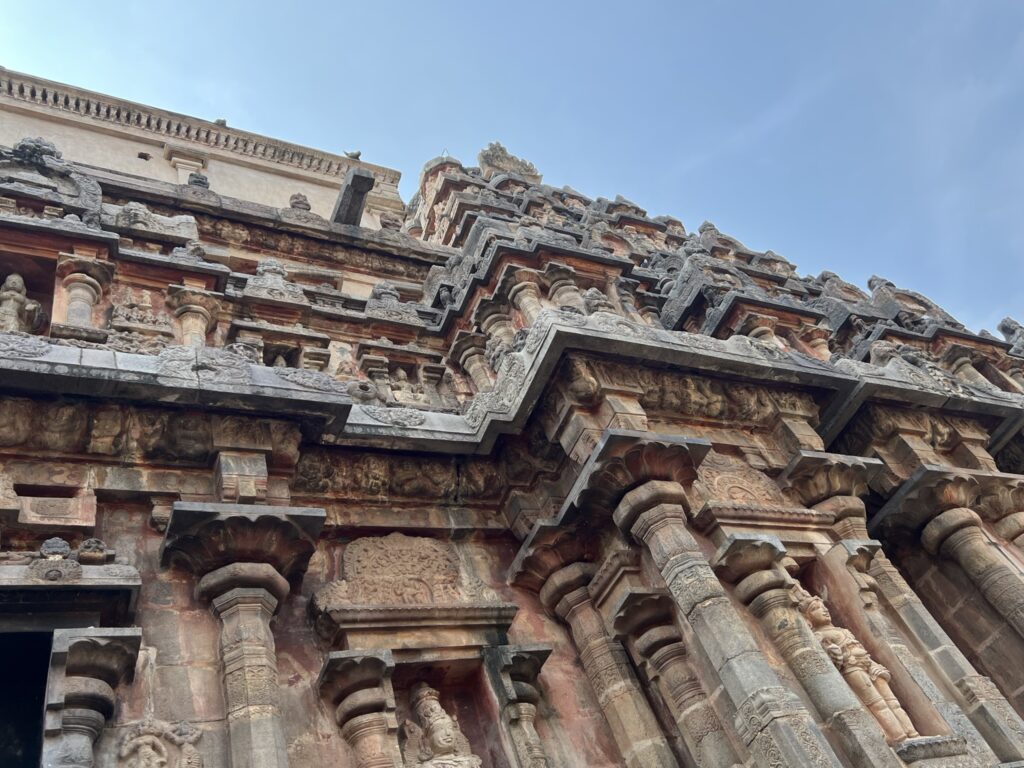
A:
[405, 391]
[436, 741]
[868, 679]
[148, 753]
[17, 311]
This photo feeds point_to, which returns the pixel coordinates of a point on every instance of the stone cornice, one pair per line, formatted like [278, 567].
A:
[80, 104]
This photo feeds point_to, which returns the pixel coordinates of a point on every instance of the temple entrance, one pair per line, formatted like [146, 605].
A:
[24, 662]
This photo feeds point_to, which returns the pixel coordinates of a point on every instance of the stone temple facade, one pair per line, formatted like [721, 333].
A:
[293, 474]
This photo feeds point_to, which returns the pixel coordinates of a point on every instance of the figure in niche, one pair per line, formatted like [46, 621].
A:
[405, 391]
[17, 311]
[436, 740]
[868, 679]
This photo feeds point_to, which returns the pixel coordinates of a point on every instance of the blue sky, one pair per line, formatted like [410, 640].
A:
[871, 137]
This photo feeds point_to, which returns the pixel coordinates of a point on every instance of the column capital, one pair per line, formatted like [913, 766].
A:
[350, 681]
[204, 537]
[817, 476]
[357, 686]
[99, 272]
[929, 491]
[86, 667]
[566, 588]
[240, 583]
[945, 524]
[653, 500]
[745, 554]
[514, 669]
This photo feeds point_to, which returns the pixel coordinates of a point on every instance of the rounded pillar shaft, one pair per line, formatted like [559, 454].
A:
[773, 721]
[696, 719]
[195, 322]
[957, 535]
[630, 717]
[371, 738]
[82, 294]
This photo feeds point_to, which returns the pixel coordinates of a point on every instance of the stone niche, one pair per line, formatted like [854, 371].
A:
[408, 593]
[416, 625]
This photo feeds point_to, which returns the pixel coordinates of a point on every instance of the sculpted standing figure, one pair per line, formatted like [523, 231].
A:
[868, 679]
[436, 741]
[17, 311]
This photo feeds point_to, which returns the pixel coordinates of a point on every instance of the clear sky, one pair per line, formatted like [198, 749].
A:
[860, 137]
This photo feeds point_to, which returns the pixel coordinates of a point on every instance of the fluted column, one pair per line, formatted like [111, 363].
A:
[565, 293]
[196, 311]
[633, 724]
[470, 350]
[773, 723]
[957, 534]
[657, 647]
[513, 672]
[525, 296]
[84, 279]
[770, 593]
[82, 294]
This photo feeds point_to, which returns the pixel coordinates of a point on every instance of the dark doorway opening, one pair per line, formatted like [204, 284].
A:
[24, 662]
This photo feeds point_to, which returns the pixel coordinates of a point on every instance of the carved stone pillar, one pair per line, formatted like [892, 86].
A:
[245, 596]
[83, 280]
[633, 724]
[995, 726]
[245, 555]
[647, 619]
[196, 311]
[957, 534]
[82, 294]
[989, 710]
[816, 338]
[773, 723]
[513, 673]
[525, 296]
[469, 350]
[357, 684]
[86, 667]
[771, 594]
[498, 326]
[960, 360]
[562, 288]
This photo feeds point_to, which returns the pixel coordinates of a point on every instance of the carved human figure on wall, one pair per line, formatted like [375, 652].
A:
[435, 740]
[405, 391]
[868, 679]
[17, 311]
[147, 752]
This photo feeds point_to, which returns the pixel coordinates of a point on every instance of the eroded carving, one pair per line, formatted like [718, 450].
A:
[403, 570]
[434, 739]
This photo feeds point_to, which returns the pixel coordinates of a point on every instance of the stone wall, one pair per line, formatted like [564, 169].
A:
[513, 478]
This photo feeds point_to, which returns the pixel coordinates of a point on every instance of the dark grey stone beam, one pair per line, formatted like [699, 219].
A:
[352, 199]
